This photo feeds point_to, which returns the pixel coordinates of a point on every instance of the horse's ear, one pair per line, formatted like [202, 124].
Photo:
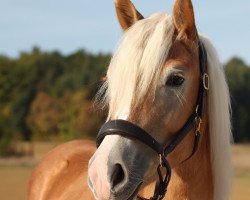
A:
[127, 13]
[183, 16]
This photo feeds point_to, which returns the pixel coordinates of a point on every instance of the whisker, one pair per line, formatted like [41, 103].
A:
[180, 97]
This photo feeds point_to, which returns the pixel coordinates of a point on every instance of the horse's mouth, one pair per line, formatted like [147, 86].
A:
[92, 188]
[135, 196]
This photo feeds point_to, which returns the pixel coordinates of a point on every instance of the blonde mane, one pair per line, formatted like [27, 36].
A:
[219, 124]
[137, 63]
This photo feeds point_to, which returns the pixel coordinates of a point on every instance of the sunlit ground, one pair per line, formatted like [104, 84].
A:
[14, 177]
[241, 182]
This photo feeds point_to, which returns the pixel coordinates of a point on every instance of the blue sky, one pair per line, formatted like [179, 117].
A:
[67, 25]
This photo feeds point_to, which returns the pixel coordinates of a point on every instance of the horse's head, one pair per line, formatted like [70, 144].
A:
[152, 81]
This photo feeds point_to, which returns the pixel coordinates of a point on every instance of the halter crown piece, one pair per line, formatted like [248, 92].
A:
[130, 130]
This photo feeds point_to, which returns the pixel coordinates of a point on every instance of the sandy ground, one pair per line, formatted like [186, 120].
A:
[15, 172]
[241, 163]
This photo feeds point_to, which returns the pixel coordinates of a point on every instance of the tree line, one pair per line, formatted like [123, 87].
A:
[238, 76]
[49, 96]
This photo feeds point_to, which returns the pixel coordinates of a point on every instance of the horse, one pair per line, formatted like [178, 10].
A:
[168, 128]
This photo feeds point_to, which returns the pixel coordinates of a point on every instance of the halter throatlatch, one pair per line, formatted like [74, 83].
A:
[130, 130]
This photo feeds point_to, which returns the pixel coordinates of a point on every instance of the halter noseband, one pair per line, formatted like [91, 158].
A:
[130, 130]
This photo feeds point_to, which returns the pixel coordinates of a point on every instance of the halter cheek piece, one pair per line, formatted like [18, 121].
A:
[130, 130]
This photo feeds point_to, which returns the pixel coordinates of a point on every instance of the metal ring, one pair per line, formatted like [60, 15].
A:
[206, 81]
[160, 160]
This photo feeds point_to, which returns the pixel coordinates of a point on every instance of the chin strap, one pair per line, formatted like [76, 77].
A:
[162, 183]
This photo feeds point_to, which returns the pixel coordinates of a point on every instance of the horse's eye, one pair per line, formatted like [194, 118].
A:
[175, 81]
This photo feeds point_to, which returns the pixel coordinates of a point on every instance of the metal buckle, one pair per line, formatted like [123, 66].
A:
[161, 159]
[198, 125]
[205, 80]
[197, 109]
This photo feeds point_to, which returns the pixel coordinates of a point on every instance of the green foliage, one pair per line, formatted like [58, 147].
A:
[43, 116]
[33, 89]
[238, 74]
[6, 137]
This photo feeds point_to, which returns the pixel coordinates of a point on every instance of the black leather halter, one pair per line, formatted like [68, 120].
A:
[130, 130]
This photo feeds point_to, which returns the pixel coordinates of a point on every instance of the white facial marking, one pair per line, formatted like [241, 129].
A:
[123, 116]
[98, 168]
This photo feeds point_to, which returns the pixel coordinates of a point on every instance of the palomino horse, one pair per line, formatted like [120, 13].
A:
[165, 88]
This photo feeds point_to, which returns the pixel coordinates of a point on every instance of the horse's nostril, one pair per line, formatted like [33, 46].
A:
[117, 176]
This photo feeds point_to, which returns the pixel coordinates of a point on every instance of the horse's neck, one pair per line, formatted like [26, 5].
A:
[192, 180]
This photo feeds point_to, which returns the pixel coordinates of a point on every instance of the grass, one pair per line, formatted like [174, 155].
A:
[14, 177]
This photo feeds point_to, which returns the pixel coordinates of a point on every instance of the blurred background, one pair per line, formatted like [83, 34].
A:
[53, 55]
